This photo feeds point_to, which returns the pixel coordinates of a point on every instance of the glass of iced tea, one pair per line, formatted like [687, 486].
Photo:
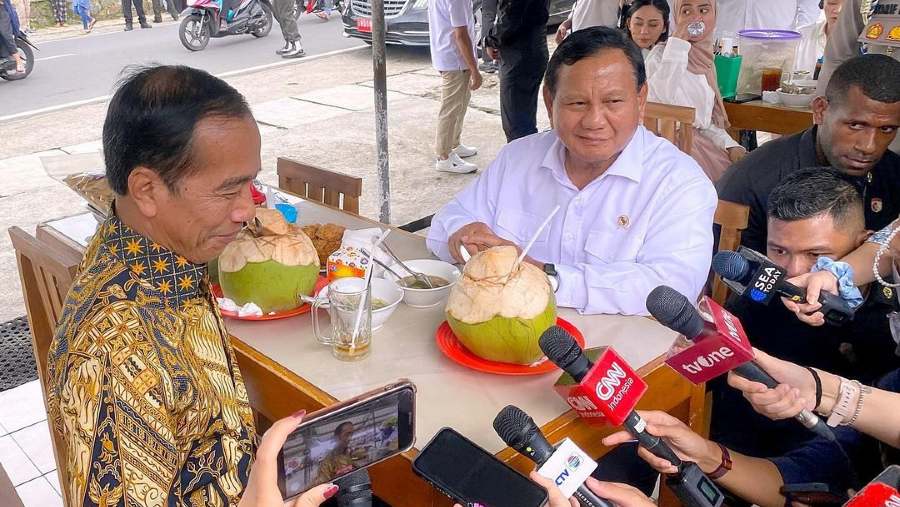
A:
[771, 79]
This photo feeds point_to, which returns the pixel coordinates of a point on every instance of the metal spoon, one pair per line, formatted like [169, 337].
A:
[420, 277]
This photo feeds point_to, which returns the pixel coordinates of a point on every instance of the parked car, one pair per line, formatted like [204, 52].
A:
[407, 20]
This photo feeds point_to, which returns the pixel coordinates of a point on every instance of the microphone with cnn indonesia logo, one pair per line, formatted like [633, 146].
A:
[602, 387]
[719, 345]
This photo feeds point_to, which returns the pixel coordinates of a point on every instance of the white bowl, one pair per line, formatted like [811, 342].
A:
[794, 99]
[385, 290]
[426, 298]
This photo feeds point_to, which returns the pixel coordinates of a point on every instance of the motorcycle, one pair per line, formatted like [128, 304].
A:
[25, 47]
[202, 19]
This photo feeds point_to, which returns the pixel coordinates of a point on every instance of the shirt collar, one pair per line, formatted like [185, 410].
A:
[629, 164]
[808, 155]
[172, 275]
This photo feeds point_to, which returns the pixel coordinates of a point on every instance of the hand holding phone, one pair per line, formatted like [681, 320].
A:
[335, 441]
[470, 475]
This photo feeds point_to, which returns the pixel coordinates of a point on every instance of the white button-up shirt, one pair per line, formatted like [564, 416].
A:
[645, 222]
[733, 16]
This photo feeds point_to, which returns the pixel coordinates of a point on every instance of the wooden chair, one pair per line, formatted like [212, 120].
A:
[320, 185]
[732, 218]
[46, 272]
[671, 122]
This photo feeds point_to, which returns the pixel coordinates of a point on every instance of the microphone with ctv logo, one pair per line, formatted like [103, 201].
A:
[719, 345]
[519, 431]
[755, 277]
[609, 385]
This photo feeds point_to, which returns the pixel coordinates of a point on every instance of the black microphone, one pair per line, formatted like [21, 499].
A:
[355, 490]
[689, 483]
[519, 431]
[562, 349]
[675, 311]
[759, 279]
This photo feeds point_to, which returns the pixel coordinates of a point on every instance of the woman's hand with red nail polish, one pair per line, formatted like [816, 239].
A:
[262, 488]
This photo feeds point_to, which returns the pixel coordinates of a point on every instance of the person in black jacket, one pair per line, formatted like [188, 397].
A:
[855, 123]
[519, 40]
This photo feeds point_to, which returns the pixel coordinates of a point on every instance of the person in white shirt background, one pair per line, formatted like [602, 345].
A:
[815, 36]
[451, 26]
[635, 212]
[681, 72]
[647, 23]
[588, 13]
[737, 15]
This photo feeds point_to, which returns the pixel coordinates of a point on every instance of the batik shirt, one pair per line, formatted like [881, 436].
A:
[143, 383]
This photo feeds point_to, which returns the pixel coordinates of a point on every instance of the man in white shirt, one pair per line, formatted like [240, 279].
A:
[635, 212]
[737, 15]
[451, 26]
[588, 13]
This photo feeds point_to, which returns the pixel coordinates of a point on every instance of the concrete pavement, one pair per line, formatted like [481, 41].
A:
[76, 68]
[317, 111]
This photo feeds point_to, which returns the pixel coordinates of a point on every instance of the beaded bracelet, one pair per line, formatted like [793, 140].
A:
[885, 242]
[818, 382]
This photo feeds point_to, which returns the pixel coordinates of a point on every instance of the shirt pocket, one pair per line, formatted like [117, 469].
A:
[519, 226]
[612, 245]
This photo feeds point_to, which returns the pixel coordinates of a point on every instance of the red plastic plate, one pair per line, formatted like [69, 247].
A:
[300, 310]
[455, 350]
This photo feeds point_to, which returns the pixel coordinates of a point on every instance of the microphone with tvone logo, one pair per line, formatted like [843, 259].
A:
[719, 345]
[568, 466]
[881, 492]
[602, 387]
[754, 276]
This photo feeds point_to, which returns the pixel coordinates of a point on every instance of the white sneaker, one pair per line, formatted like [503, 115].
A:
[465, 151]
[454, 164]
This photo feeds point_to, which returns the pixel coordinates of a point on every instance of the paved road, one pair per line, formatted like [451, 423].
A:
[85, 67]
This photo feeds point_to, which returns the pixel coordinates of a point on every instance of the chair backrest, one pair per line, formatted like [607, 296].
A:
[46, 273]
[732, 218]
[320, 185]
[674, 123]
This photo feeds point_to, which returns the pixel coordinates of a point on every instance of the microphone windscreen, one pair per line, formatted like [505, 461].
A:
[355, 490]
[559, 346]
[512, 424]
[730, 265]
[675, 311]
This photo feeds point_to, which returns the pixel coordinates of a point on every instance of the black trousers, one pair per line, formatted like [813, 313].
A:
[488, 16]
[170, 7]
[138, 8]
[522, 67]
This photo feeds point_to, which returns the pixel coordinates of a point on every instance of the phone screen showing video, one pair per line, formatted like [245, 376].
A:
[338, 444]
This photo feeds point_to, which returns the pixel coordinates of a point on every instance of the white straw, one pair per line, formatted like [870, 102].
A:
[362, 301]
[535, 237]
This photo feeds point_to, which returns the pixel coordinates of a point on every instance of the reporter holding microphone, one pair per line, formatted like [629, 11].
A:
[873, 411]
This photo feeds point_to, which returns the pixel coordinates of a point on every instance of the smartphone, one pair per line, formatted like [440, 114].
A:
[334, 441]
[469, 474]
[814, 493]
[740, 98]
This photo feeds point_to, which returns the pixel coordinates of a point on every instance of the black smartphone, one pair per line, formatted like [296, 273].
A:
[469, 474]
[333, 442]
[814, 493]
[740, 98]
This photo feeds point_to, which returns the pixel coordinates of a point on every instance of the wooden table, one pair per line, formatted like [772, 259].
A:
[284, 370]
[757, 115]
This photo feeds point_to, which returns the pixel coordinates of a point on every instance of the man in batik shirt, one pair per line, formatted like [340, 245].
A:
[143, 383]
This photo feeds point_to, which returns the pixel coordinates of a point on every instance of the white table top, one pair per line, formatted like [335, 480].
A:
[448, 394]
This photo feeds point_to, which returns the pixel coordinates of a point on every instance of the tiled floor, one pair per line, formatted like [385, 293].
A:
[25, 449]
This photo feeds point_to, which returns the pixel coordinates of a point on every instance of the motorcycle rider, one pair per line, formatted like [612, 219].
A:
[8, 47]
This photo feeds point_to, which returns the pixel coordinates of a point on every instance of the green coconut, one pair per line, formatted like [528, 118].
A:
[271, 265]
[499, 310]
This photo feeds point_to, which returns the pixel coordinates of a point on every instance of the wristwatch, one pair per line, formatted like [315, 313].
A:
[552, 275]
